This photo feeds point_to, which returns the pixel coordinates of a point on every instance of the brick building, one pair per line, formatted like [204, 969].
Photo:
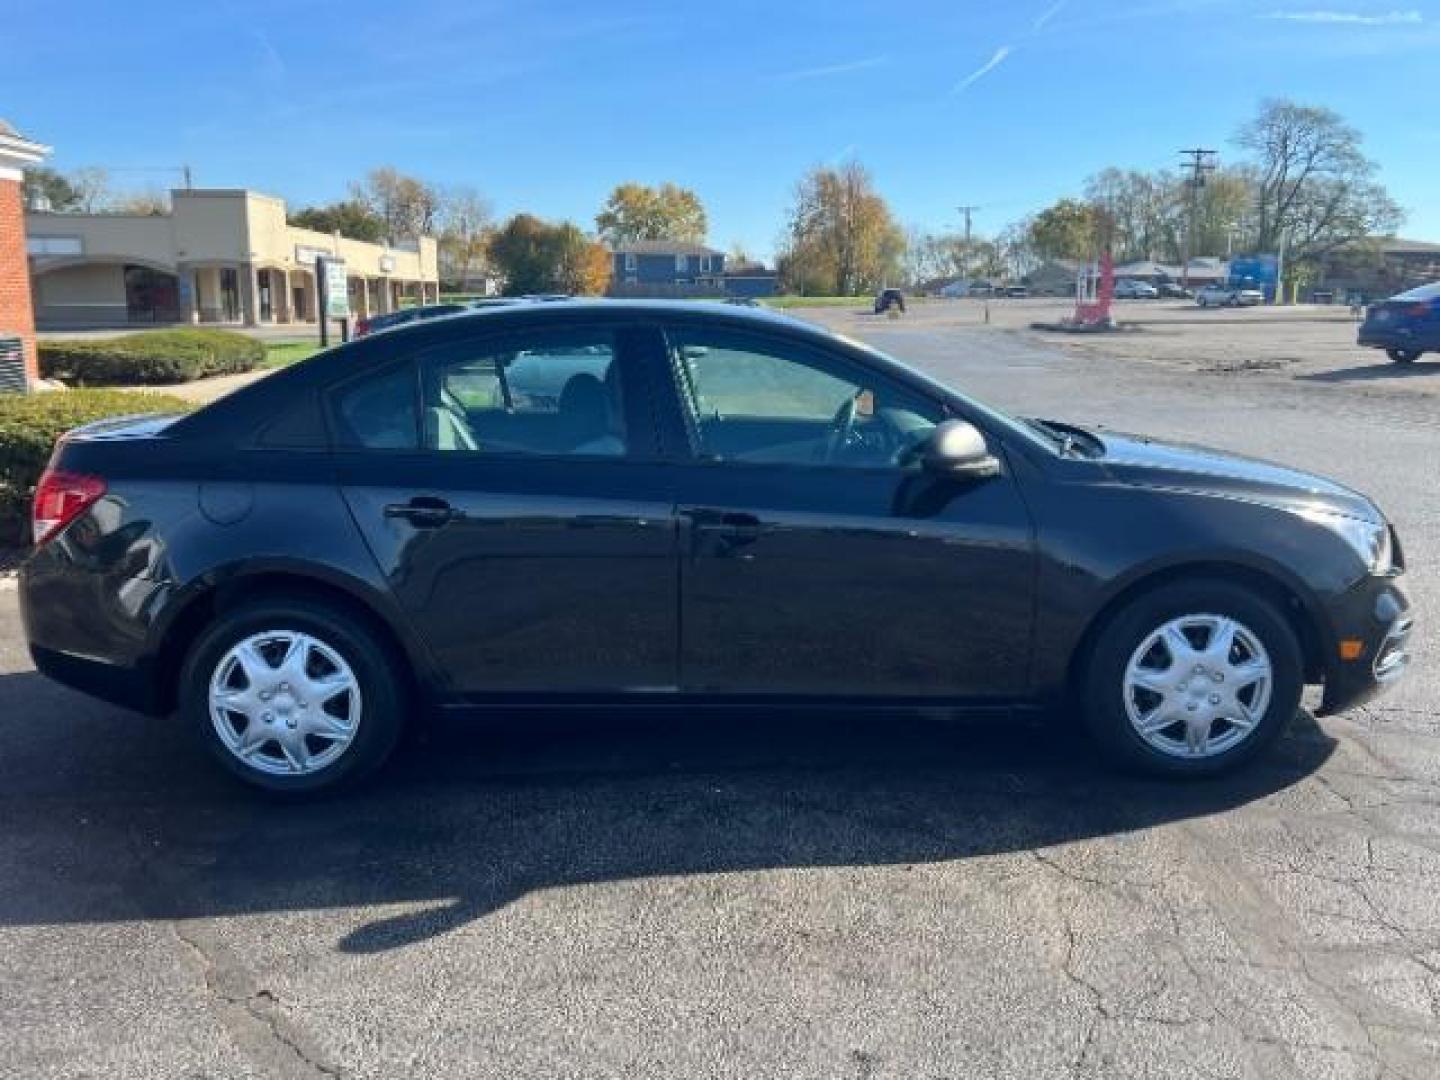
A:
[17, 318]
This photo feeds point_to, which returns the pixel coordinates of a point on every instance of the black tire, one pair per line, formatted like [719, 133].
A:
[1103, 691]
[375, 669]
[1403, 356]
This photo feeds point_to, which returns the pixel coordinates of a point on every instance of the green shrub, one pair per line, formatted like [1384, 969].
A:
[29, 426]
[159, 356]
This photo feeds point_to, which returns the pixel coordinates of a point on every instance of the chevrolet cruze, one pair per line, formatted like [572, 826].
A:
[638, 502]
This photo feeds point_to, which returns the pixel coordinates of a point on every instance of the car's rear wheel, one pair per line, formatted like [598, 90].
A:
[1403, 356]
[1192, 679]
[292, 695]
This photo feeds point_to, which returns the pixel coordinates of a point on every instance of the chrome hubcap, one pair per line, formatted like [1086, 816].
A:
[1198, 685]
[284, 703]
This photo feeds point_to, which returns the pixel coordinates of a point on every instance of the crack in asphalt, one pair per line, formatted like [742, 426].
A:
[251, 1017]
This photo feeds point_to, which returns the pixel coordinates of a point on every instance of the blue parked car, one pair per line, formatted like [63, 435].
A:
[1405, 326]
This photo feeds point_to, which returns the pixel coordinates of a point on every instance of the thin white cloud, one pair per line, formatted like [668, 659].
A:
[1349, 18]
[1048, 14]
[828, 70]
[984, 69]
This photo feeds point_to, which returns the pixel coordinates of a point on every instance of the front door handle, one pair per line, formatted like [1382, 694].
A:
[704, 519]
[721, 532]
[424, 512]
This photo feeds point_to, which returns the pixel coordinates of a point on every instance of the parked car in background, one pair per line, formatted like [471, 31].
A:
[527, 504]
[1134, 289]
[377, 323]
[1406, 326]
[1016, 292]
[1173, 290]
[1224, 295]
[889, 298]
[981, 289]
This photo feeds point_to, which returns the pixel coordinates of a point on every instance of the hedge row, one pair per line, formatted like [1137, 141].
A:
[29, 426]
[160, 356]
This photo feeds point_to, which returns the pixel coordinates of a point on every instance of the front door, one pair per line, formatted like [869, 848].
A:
[508, 488]
[817, 559]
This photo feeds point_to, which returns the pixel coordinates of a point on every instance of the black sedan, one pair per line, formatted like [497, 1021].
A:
[1405, 326]
[598, 502]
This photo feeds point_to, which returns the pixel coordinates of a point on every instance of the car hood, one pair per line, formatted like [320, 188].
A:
[1146, 462]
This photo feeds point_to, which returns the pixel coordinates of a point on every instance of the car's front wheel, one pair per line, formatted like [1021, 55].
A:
[292, 695]
[1403, 356]
[1193, 678]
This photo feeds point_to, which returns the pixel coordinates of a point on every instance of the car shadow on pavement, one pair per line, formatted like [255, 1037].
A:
[107, 816]
[1372, 372]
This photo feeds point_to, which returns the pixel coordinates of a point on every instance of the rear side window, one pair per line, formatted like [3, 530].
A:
[551, 394]
[379, 412]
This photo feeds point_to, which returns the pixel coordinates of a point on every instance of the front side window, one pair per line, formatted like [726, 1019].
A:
[755, 401]
[557, 394]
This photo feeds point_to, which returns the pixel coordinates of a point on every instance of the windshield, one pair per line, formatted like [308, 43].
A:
[1423, 293]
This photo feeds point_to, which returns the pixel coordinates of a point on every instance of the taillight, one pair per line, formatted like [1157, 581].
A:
[1419, 311]
[362, 328]
[60, 498]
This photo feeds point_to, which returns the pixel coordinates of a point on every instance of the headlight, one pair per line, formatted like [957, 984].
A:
[1367, 539]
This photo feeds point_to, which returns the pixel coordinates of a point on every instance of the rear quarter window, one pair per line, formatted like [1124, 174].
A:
[379, 412]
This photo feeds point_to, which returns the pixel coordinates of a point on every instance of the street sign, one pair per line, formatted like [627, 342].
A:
[337, 292]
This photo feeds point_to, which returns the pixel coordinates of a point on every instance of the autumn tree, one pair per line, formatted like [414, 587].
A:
[535, 256]
[637, 212]
[841, 237]
[1066, 230]
[1314, 188]
[349, 217]
[583, 264]
[407, 206]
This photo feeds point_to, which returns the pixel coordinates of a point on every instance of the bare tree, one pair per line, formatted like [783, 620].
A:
[465, 219]
[1315, 190]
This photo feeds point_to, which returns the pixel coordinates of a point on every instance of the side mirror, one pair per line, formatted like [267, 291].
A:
[957, 449]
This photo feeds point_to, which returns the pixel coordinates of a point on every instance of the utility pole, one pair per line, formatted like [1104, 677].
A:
[965, 259]
[1199, 164]
[967, 211]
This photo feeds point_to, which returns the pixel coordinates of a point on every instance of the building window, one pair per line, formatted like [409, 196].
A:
[54, 245]
[704, 264]
[629, 262]
[682, 264]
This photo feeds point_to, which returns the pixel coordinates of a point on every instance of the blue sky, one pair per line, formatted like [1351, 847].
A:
[544, 105]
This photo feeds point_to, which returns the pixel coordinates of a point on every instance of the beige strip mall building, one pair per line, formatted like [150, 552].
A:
[219, 256]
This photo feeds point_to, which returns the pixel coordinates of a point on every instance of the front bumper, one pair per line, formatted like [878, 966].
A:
[1376, 613]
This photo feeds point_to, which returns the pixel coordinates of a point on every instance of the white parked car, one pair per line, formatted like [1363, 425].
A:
[1134, 289]
[1228, 296]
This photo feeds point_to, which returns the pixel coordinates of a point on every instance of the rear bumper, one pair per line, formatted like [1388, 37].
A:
[129, 687]
[1378, 614]
[91, 630]
[1396, 337]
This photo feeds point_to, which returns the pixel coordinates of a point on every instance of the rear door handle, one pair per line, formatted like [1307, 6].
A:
[424, 512]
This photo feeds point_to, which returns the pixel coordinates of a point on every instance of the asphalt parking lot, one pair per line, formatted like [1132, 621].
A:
[778, 894]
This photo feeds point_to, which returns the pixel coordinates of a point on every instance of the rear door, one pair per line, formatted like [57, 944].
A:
[508, 486]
